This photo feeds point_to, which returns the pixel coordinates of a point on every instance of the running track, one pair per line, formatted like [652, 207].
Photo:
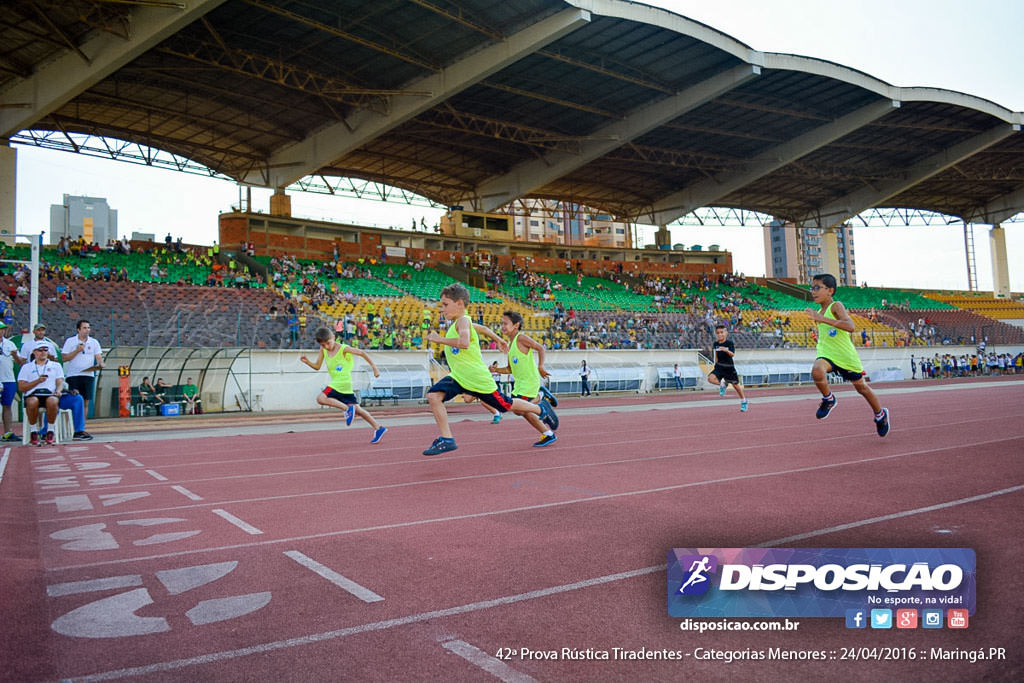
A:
[314, 556]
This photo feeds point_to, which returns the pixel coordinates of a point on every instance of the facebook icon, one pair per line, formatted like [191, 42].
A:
[856, 618]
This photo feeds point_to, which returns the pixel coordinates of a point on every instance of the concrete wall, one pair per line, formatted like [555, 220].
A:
[281, 382]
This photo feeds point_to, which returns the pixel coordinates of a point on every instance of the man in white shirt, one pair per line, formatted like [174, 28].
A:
[38, 338]
[83, 356]
[41, 382]
[8, 355]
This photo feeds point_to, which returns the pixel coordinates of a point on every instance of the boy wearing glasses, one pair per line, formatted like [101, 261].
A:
[837, 354]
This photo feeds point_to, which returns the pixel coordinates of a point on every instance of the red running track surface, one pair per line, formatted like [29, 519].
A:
[316, 556]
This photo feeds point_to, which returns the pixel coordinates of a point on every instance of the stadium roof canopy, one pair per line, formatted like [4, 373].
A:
[612, 104]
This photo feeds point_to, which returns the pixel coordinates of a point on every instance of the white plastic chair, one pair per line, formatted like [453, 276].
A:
[63, 431]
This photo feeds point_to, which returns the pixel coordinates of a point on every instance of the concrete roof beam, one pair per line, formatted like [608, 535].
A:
[335, 141]
[707, 192]
[531, 175]
[845, 208]
[61, 80]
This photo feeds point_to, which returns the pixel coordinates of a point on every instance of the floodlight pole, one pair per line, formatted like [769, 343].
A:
[35, 241]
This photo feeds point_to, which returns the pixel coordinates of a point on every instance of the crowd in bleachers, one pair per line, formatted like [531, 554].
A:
[569, 309]
[947, 365]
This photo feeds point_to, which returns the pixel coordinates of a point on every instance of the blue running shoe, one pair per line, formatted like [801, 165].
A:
[496, 419]
[440, 445]
[545, 441]
[721, 388]
[552, 399]
[882, 425]
[350, 414]
[379, 434]
[547, 415]
[827, 404]
[744, 407]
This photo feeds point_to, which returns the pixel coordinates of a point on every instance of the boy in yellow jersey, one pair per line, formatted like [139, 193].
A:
[338, 394]
[526, 372]
[469, 375]
[836, 352]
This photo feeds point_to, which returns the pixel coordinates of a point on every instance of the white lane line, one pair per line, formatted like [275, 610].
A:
[361, 592]
[119, 453]
[244, 526]
[243, 429]
[532, 470]
[538, 506]
[475, 606]
[3, 462]
[110, 446]
[135, 462]
[156, 475]
[185, 492]
[76, 587]
[492, 665]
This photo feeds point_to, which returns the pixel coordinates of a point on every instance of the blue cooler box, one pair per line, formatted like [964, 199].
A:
[170, 409]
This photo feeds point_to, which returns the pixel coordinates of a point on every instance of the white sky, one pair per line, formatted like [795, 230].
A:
[969, 46]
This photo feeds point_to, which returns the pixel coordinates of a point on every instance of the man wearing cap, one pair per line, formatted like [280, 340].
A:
[83, 355]
[41, 382]
[8, 355]
[39, 338]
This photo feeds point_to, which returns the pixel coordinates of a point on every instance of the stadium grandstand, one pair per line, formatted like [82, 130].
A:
[481, 123]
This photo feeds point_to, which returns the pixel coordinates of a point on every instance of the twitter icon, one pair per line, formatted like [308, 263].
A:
[881, 618]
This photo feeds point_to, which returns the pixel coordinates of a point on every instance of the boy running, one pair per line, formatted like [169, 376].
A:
[837, 354]
[724, 371]
[469, 375]
[526, 372]
[338, 394]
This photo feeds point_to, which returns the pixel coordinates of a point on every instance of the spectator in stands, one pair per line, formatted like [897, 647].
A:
[8, 356]
[193, 404]
[39, 338]
[82, 356]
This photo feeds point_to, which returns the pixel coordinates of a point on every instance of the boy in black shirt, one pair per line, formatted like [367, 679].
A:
[724, 371]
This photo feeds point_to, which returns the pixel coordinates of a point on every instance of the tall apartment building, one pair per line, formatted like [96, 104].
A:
[88, 217]
[543, 220]
[800, 254]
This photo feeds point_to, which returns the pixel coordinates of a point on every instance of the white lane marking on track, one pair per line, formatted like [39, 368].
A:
[135, 462]
[244, 526]
[119, 453]
[3, 462]
[323, 426]
[539, 506]
[185, 492]
[156, 475]
[110, 446]
[76, 587]
[361, 592]
[489, 475]
[482, 605]
[673, 437]
[491, 665]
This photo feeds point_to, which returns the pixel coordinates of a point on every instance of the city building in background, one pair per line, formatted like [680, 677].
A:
[543, 221]
[800, 254]
[88, 217]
